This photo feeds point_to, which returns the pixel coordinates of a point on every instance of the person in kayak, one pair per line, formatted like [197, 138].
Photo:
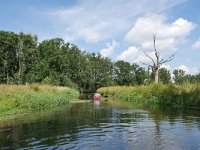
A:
[97, 96]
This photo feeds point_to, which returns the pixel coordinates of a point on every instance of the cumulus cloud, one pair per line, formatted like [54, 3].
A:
[168, 34]
[168, 67]
[142, 58]
[109, 49]
[184, 68]
[136, 55]
[129, 55]
[94, 20]
[196, 45]
[188, 70]
[91, 37]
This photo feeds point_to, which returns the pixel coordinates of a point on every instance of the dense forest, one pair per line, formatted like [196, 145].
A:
[24, 60]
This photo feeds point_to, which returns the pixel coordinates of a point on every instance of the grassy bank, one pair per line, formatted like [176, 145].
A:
[16, 99]
[157, 94]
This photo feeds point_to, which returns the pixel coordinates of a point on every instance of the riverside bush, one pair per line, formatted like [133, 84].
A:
[157, 94]
[20, 98]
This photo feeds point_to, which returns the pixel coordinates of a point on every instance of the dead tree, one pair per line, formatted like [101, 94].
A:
[157, 63]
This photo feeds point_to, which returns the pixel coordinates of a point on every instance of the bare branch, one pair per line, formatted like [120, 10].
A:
[167, 60]
[149, 57]
[147, 64]
[154, 45]
[157, 62]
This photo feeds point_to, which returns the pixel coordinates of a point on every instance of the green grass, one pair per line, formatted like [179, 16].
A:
[157, 94]
[17, 99]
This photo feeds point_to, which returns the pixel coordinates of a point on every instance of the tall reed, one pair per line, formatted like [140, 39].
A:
[20, 98]
[173, 95]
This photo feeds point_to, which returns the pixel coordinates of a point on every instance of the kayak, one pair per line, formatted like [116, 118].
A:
[97, 98]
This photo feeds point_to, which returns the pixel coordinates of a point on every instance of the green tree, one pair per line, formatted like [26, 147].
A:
[26, 55]
[100, 71]
[124, 73]
[8, 67]
[49, 61]
[141, 75]
[179, 76]
[164, 76]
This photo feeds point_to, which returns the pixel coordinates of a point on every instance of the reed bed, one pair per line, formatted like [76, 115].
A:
[173, 95]
[22, 98]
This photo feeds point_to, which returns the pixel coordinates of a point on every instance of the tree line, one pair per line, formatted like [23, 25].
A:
[25, 60]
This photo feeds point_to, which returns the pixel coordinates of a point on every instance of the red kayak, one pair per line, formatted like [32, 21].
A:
[97, 97]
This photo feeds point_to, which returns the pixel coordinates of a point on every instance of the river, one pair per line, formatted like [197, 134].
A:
[110, 125]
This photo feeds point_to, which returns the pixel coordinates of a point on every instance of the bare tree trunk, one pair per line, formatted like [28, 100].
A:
[19, 59]
[156, 75]
[19, 73]
[157, 63]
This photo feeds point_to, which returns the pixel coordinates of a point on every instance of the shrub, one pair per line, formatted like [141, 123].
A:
[15, 99]
[50, 80]
[157, 94]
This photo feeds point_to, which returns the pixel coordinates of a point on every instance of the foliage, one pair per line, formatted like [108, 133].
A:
[161, 94]
[141, 76]
[56, 62]
[22, 98]
[179, 76]
[164, 76]
[124, 73]
[50, 80]
[127, 74]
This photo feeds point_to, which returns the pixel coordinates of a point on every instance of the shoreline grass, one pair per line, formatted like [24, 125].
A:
[186, 95]
[19, 99]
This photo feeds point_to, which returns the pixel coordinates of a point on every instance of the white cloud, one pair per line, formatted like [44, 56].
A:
[168, 67]
[196, 45]
[168, 34]
[129, 55]
[188, 70]
[94, 20]
[109, 50]
[184, 68]
[142, 58]
[135, 55]
[91, 37]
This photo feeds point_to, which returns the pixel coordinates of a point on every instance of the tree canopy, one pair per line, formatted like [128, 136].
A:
[24, 60]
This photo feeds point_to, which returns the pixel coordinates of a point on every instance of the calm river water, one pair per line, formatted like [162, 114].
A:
[112, 125]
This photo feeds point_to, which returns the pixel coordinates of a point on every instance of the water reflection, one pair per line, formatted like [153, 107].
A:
[109, 125]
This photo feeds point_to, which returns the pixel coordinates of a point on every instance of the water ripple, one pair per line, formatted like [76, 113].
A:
[106, 127]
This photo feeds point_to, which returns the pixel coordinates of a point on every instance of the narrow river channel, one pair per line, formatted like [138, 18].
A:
[111, 125]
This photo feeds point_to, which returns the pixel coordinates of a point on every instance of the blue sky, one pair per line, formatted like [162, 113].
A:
[118, 29]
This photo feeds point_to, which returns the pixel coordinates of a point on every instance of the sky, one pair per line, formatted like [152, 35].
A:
[118, 29]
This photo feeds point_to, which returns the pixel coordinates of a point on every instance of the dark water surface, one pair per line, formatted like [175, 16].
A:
[110, 125]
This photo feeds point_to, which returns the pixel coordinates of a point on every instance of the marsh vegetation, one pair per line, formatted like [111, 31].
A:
[157, 94]
[19, 99]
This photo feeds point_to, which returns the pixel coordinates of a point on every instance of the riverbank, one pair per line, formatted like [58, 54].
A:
[20, 99]
[186, 95]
